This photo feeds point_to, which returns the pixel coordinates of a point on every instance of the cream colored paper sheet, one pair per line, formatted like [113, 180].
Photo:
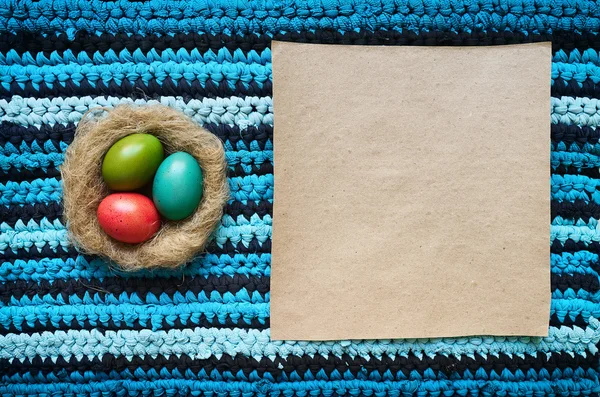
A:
[412, 191]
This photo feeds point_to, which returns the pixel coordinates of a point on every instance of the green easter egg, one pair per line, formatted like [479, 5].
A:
[132, 161]
[177, 188]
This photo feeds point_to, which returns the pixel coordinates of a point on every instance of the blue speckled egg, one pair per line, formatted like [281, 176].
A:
[177, 187]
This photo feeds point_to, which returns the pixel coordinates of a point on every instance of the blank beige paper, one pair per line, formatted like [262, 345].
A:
[412, 191]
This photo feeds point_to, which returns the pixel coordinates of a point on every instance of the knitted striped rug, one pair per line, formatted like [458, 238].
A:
[72, 326]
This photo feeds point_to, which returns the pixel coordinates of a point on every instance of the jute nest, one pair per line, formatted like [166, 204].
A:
[83, 186]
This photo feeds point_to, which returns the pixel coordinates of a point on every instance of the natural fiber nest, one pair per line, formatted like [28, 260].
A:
[84, 188]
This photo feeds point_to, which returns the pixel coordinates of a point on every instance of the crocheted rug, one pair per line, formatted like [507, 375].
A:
[72, 326]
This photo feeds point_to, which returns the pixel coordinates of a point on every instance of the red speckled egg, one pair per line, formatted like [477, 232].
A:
[128, 217]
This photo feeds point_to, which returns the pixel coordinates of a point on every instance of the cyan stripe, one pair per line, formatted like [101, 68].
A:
[580, 160]
[233, 17]
[105, 299]
[124, 311]
[47, 147]
[126, 314]
[241, 111]
[580, 294]
[201, 343]
[590, 311]
[577, 55]
[30, 192]
[250, 187]
[245, 264]
[80, 268]
[580, 72]
[33, 160]
[227, 373]
[572, 187]
[576, 262]
[199, 70]
[350, 388]
[228, 72]
[223, 55]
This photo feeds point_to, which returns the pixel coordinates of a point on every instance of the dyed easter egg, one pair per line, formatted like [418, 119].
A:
[132, 161]
[177, 188]
[128, 217]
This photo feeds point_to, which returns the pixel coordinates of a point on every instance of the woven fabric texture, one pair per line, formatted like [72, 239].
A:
[72, 326]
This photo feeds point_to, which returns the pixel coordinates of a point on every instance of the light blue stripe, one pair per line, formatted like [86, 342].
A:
[585, 234]
[231, 73]
[230, 110]
[350, 388]
[79, 268]
[222, 55]
[575, 111]
[241, 111]
[560, 221]
[55, 234]
[201, 343]
[126, 314]
[233, 17]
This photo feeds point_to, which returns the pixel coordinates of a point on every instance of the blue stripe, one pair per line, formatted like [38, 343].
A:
[126, 314]
[124, 311]
[33, 160]
[250, 187]
[587, 55]
[351, 388]
[231, 73]
[580, 160]
[223, 55]
[232, 17]
[194, 70]
[80, 268]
